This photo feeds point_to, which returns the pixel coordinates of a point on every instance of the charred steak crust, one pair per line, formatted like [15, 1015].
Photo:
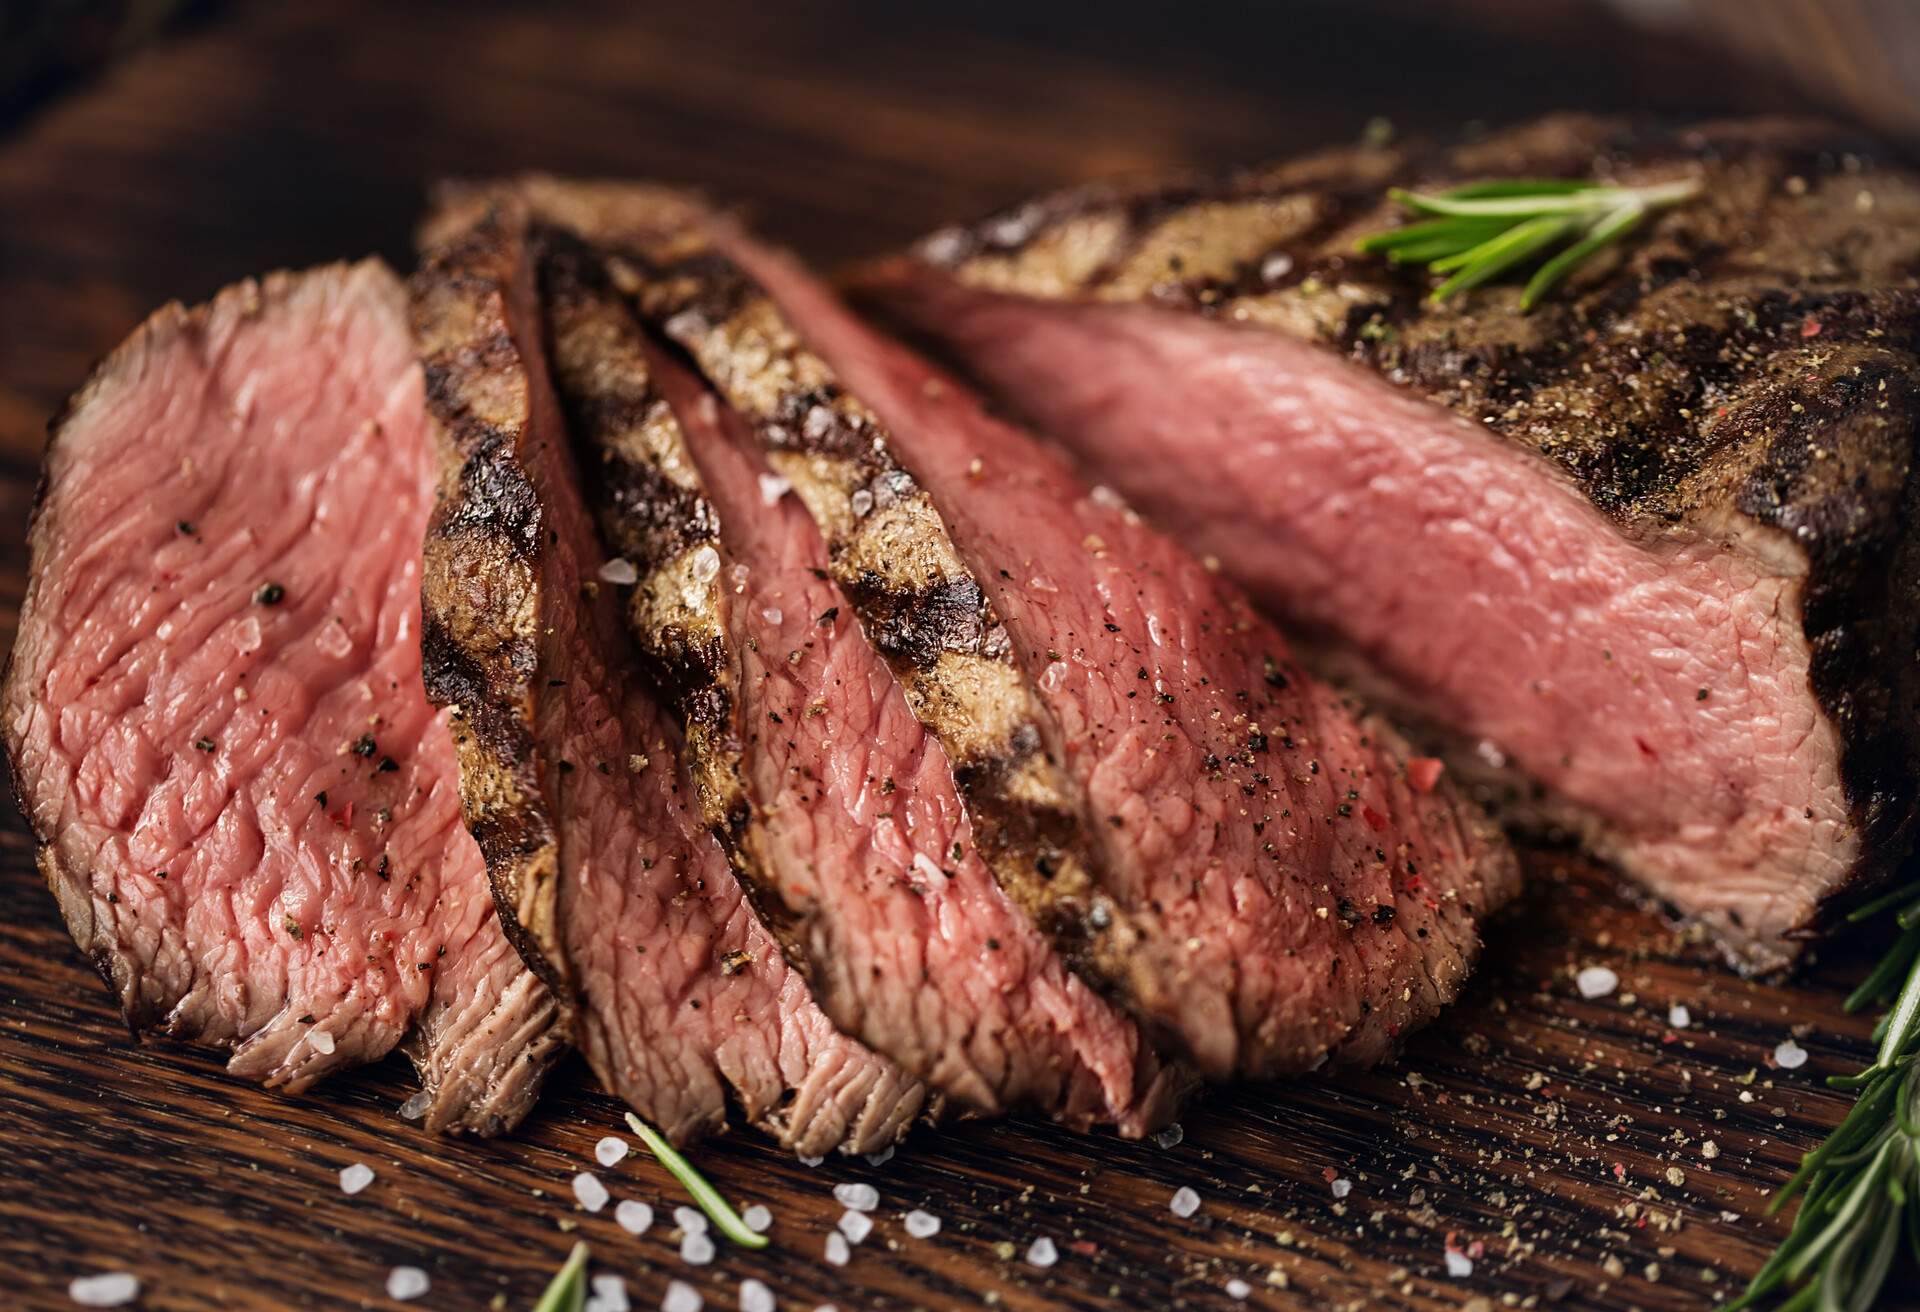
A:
[480, 582]
[652, 512]
[1752, 351]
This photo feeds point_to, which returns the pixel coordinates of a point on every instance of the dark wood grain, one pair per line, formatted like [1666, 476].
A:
[1535, 1124]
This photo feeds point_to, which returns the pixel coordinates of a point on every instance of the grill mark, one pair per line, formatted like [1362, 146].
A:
[479, 589]
[652, 509]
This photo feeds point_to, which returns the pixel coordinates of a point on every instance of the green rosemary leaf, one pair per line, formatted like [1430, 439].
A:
[1479, 231]
[1906, 893]
[1609, 230]
[1881, 978]
[567, 1291]
[1901, 1021]
[1491, 259]
[718, 1209]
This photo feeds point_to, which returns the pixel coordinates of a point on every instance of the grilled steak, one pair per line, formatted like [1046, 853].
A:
[839, 807]
[1203, 830]
[1651, 543]
[568, 770]
[214, 710]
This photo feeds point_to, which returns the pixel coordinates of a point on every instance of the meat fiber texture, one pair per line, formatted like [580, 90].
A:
[679, 997]
[1292, 891]
[840, 806]
[247, 808]
[1650, 546]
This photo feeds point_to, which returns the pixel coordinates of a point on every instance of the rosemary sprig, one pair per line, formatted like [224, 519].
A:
[567, 1291]
[1478, 232]
[717, 1208]
[1861, 1187]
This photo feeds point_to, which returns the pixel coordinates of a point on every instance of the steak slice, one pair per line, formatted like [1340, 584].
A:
[1205, 831]
[838, 805]
[1650, 544]
[568, 770]
[214, 711]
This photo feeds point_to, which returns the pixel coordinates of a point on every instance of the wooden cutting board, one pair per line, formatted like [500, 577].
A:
[1579, 1153]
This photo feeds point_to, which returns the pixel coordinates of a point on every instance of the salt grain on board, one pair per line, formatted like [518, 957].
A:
[1678, 1016]
[1238, 1290]
[696, 1249]
[691, 1220]
[882, 1157]
[758, 1219]
[416, 1106]
[589, 1192]
[1342, 1187]
[810, 1161]
[610, 1150]
[837, 1250]
[857, 1197]
[406, 1283]
[1596, 982]
[1185, 1202]
[1790, 1056]
[922, 1225]
[609, 1295]
[1042, 1253]
[681, 1297]
[1170, 1137]
[1459, 1265]
[355, 1178]
[856, 1226]
[109, 1289]
[755, 1297]
[635, 1218]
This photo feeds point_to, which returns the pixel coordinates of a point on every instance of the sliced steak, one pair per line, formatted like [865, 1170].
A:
[1651, 544]
[568, 770]
[840, 808]
[1205, 831]
[246, 804]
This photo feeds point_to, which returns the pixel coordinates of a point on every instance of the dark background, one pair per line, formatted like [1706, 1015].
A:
[151, 150]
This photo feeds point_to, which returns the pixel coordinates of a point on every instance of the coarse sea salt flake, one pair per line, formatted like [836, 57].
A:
[1185, 1202]
[758, 1219]
[406, 1283]
[1596, 982]
[856, 1226]
[1678, 1016]
[772, 488]
[619, 570]
[882, 1157]
[1342, 1187]
[1789, 1056]
[1170, 1137]
[691, 1220]
[355, 1178]
[609, 1295]
[589, 1192]
[610, 1150]
[696, 1249]
[322, 1042]
[416, 1106]
[108, 1289]
[1042, 1253]
[755, 1297]
[681, 1297]
[1238, 1290]
[1459, 1265]
[837, 1250]
[635, 1218]
[857, 1197]
[922, 1225]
